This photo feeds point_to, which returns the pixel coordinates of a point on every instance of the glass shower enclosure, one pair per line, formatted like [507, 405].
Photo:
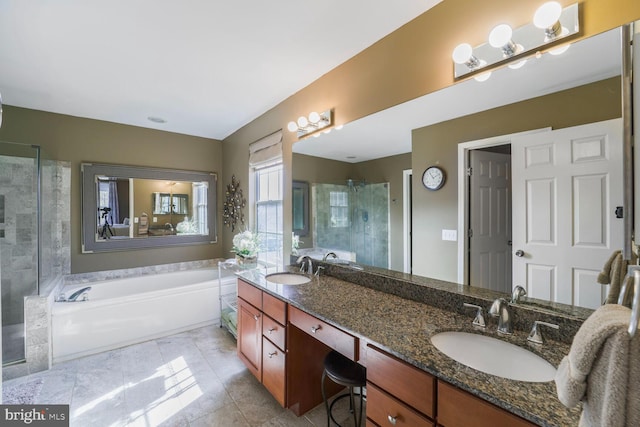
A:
[20, 240]
[353, 217]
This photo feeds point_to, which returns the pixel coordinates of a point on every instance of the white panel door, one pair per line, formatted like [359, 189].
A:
[566, 186]
[490, 221]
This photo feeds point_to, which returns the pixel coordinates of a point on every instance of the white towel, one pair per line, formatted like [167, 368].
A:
[603, 370]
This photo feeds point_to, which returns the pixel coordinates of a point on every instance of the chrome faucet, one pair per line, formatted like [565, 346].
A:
[169, 226]
[74, 296]
[500, 309]
[332, 254]
[518, 292]
[301, 260]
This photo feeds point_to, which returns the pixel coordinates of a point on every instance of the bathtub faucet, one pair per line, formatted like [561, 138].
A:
[74, 296]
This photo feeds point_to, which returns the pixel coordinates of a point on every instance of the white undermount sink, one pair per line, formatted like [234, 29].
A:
[494, 356]
[287, 278]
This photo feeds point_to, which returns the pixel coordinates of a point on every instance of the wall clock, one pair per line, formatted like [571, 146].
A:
[433, 178]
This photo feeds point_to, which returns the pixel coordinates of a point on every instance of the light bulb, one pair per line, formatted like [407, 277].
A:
[500, 35]
[462, 53]
[560, 50]
[483, 77]
[292, 126]
[302, 121]
[314, 117]
[518, 64]
[547, 15]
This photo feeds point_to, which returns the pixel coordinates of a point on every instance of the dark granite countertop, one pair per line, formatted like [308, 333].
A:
[403, 327]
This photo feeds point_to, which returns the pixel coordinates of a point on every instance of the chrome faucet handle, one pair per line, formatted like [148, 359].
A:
[302, 260]
[535, 336]
[518, 292]
[318, 269]
[479, 319]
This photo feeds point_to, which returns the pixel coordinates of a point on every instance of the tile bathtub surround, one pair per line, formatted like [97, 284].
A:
[98, 276]
[190, 379]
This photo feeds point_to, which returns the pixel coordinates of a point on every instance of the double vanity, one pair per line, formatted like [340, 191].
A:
[288, 323]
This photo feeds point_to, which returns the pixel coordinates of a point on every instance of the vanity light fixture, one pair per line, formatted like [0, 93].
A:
[507, 44]
[463, 54]
[316, 121]
[500, 37]
[547, 18]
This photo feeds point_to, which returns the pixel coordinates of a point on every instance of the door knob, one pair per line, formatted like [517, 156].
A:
[519, 253]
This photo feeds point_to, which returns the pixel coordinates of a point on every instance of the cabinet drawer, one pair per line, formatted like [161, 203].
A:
[323, 332]
[274, 308]
[459, 408]
[408, 383]
[273, 370]
[384, 410]
[250, 294]
[274, 331]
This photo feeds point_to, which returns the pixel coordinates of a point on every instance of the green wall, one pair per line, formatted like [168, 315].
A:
[80, 140]
[438, 144]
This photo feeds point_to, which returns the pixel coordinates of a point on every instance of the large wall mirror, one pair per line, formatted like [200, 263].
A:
[386, 220]
[128, 207]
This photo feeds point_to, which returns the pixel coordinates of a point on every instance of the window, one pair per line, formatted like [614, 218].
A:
[103, 194]
[339, 205]
[269, 220]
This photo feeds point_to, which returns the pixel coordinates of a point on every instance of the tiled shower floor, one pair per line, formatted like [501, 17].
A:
[190, 379]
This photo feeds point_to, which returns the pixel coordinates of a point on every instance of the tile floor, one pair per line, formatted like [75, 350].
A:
[189, 379]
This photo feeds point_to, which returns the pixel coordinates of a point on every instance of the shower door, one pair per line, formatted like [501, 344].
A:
[19, 251]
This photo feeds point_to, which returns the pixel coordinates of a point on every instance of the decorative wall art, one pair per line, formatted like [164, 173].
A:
[233, 205]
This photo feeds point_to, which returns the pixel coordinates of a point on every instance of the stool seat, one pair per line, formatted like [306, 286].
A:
[344, 371]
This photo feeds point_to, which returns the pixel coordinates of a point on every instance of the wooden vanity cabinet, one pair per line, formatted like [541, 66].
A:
[261, 338]
[397, 393]
[459, 408]
[250, 337]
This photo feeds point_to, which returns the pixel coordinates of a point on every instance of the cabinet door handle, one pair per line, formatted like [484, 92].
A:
[256, 317]
[392, 420]
[272, 354]
[271, 330]
[315, 328]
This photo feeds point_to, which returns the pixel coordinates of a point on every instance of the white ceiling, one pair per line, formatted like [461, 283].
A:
[206, 66]
[388, 132]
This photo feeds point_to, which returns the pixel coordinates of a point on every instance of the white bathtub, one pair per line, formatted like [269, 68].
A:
[128, 311]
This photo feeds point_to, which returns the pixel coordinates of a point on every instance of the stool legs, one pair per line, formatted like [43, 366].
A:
[356, 419]
[324, 398]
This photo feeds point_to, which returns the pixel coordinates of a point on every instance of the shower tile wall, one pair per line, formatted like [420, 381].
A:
[19, 244]
[55, 244]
